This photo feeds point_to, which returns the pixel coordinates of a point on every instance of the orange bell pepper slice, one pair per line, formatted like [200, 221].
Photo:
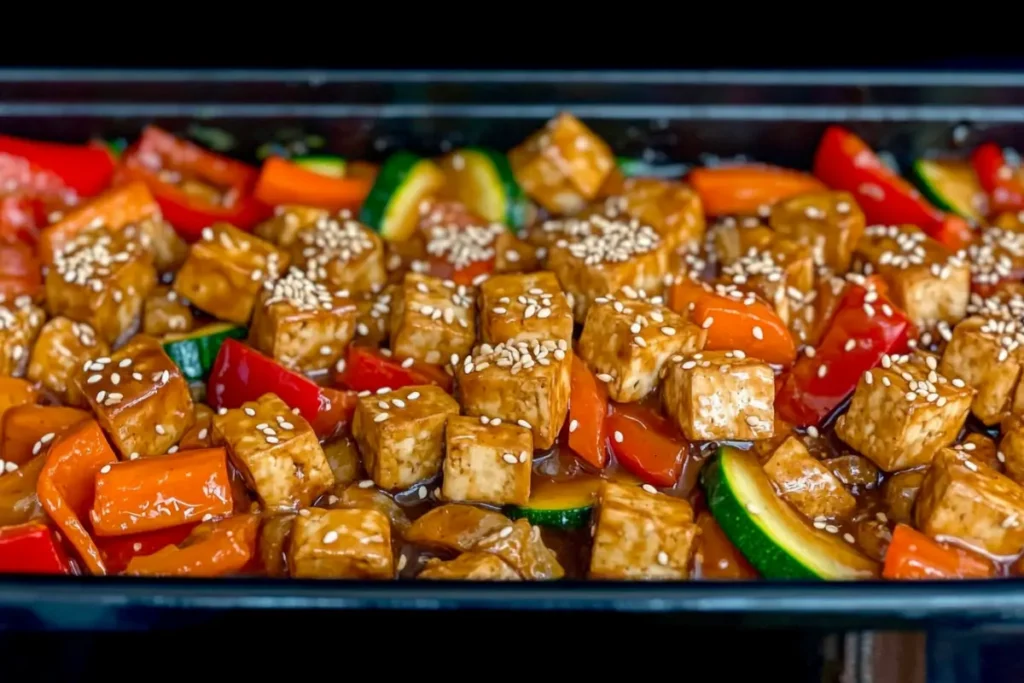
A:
[646, 444]
[282, 182]
[212, 549]
[729, 190]
[118, 551]
[588, 408]
[67, 484]
[716, 556]
[912, 555]
[156, 493]
[25, 425]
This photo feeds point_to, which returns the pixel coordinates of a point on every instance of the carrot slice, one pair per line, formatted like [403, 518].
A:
[912, 555]
[744, 189]
[212, 549]
[282, 182]
[25, 425]
[588, 408]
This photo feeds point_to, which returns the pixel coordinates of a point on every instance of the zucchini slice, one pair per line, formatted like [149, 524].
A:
[194, 352]
[559, 504]
[482, 179]
[952, 186]
[332, 167]
[393, 206]
[771, 534]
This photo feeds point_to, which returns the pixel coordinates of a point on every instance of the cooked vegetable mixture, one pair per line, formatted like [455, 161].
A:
[545, 364]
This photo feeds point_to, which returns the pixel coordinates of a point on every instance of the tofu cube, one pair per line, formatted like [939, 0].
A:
[807, 484]
[20, 324]
[471, 566]
[732, 239]
[487, 463]
[631, 340]
[225, 270]
[717, 395]
[970, 501]
[641, 535]
[161, 240]
[301, 324]
[984, 353]
[1011, 447]
[164, 312]
[671, 207]
[526, 383]
[373, 316]
[140, 398]
[830, 223]
[276, 451]
[513, 255]
[520, 545]
[527, 306]
[340, 544]
[925, 279]
[341, 253]
[432, 319]
[903, 413]
[282, 230]
[563, 165]
[401, 434]
[101, 279]
[61, 349]
[200, 434]
[782, 266]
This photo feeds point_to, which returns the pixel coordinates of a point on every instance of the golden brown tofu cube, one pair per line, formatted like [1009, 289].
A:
[968, 500]
[513, 255]
[526, 306]
[671, 207]
[718, 395]
[563, 165]
[455, 527]
[830, 223]
[340, 544]
[342, 253]
[276, 451]
[161, 240]
[61, 349]
[781, 268]
[903, 412]
[373, 316]
[641, 535]
[282, 229]
[166, 313]
[521, 546]
[200, 434]
[517, 381]
[20, 324]
[984, 354]
[139, 397]
[225, 272]
[431, 319]
[102, 280]
[301, 324]
[472, 566]
[401, 434]
[487, 463]
[900, 491]
[806, 484]
[1011, 447]
[925, 279]
[996, 259]
[364, 495]
[981, 449]
[732, 239]
[631, 340]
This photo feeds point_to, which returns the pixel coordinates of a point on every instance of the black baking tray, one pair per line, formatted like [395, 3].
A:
[661, 116]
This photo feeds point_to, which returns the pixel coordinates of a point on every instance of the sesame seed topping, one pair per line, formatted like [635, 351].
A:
[649, 488]
[813, 432]
[366, 484]
[249, 411]
[573, 425]
[509, 458]
[105, 469]
[617, 436]
[380, 417]
[663, 558]
[330, 537]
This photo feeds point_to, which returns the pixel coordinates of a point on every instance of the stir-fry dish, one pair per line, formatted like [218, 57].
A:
[541, 364]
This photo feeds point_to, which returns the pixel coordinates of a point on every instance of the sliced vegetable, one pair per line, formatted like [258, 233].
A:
[588, 408]
[1003, 183]
[559, 504]
[336, 410]
[646, 444]
[482, 179]
[638, 168]
[14, 392]
[332, 167]
[118, 551]
[282, 182]
[25, 426]
[20, 271]
[952, 185]
[31, 548]
[84, 168]
[716, 556]
[195, 352]
[912, 555]
[368, 369]
[743, 189]
[393, 205]
[19, 502]
[212, 549]
[771, 534]
[21, 218]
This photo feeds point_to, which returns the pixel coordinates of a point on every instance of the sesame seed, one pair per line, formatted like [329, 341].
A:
[325, 350]
[573, 426]
[222, 411]
[708, 322]
[287, 426]
[753, 509]
[505, 532]
[813, 432]
[668, 330]
[649, 488]
[958, 383]
[380, 417]
[383, 405]
[330, 537]
[605, 377]
[100, 396]
[366, 484]
[970, 465]
[848, 537]
[850, 345]
[509, 458]
[618, 436]
[249, 411]
[822, 370]
[383, 390]
[105, 469]
[832, 528]
[495, 421]
[203, 433]
[413, 396]
[758, 332]
[523, 456]
[160, 430]
[639, 341]
[272, 439]
[93, 379]
[689, 365]
[663, 558]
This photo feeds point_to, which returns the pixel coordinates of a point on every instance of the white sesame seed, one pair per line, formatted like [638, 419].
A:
[250, 412]
[509, 458]
[330, 537]
[758, 332]
[573, 425]
[604, 377]
[649, 488]
[413, 396]
[822, 370]
[160, 430]
[523, 456]
[325, 350]
[366, 484]
[222, 411]
[505, 532]
[203, 433]
[105, 469]
[380, 417]
[848, 537]
[708, 322]
[495, 421]
[639, 341]
[100, 396]
[970, 465]
[272, 439]
[813, 432]
[617, 436]
[663, 558]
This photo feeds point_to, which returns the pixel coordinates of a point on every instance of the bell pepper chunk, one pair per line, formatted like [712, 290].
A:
[743, 189]
[912, 555]
[67, 484]
[156, 493]
[84, 168]
[716, 556]
[1003, 184]
[118, 551]
[25, 426]
[31, 548]
[282, 182]
[588, 408]
[19, 502]
[369, 369]
[14, 392]
[20, 271]
[21, 218]
[845, 162]
[646, 444]
[211, 550]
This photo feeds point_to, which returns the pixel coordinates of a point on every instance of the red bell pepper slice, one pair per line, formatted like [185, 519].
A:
[646, 444]
[21, 218]
[806, 396]
[912, 555]
[368, 369]
[1003, 183]
[85, 169]
[336, 410]
[588, 408]
[845, 162]
[212, 549]
[282, 182]
[194, 187]
[31, 548]
[118, 551]
[20, 271]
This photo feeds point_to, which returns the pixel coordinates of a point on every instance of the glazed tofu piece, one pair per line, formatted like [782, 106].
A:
[373, 316]
[455, 527]
[563, 165]
[20, 324]
[513, 255]
[519, 544]
[364, 495]
[282, 229]
[61, 349]
[732, 239]
[401, 434]
[925, 279]
[830, 223]
[968, 500]
[101, 279]
[525, 307]
[997, 257]
[431, 319]
[487, 463]
[473, 566]
[782, 266]
[200, 434]
[904, 412]
[1011, 447]
[807, 484]
[225, 271]
[982, 449]
[276, 451]
[340, 252]
[161, 240]
[630, 341]
[718, 395]
[301, 324]
[985, 354]
[340, 544]
[526, 383]
[164, 312]
[641, 535]
[672, 208]
[139, 397]
[900, 492]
